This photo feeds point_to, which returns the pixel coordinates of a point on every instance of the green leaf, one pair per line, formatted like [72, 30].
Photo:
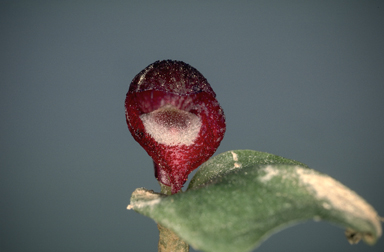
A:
[239, 198]
[232, 161]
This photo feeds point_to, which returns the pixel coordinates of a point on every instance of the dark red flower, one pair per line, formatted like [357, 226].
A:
[172, 112]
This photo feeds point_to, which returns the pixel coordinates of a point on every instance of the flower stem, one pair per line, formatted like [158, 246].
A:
[168, 240]
[164, 189]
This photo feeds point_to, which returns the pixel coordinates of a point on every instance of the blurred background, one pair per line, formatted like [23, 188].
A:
[299, 79]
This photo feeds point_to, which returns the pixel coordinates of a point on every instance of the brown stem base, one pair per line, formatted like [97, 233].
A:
[170, 242]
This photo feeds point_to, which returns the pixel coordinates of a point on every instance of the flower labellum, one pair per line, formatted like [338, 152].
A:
[172, 112]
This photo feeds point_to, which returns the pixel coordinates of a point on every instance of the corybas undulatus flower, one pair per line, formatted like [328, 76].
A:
[172, 112]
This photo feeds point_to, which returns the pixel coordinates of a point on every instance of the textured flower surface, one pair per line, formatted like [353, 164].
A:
[172, 112]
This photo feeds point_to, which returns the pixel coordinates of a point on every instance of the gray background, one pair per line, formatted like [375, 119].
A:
[303, 80]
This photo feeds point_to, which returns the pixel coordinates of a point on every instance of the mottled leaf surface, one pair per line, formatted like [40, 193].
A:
[239, 198]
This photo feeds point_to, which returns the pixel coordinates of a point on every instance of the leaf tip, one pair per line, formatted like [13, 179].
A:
[142, 197]
[337, 197]
[354, 237]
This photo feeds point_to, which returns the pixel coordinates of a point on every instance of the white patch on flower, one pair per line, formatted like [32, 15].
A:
[171, 126]
[142, 77]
